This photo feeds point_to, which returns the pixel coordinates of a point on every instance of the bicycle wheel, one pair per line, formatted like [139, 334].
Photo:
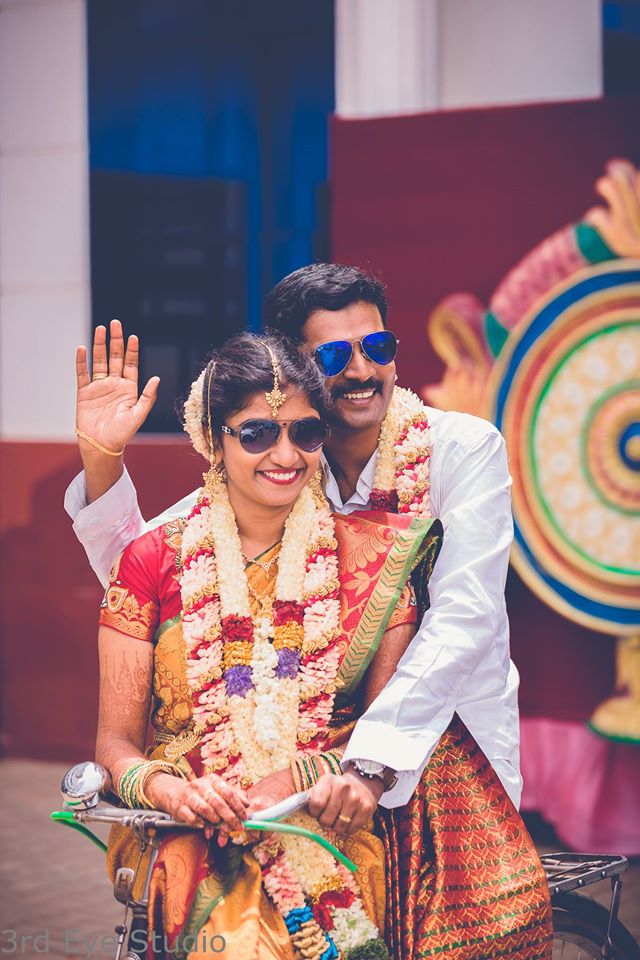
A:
[580, 930]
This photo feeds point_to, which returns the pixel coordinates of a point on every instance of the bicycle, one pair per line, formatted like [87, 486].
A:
[594, 932]
[582, 928]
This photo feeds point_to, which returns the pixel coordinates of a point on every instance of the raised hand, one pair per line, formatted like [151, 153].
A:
[108, 408]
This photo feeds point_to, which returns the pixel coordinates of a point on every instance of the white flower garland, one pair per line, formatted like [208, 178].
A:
[401, 482]
[263, 690]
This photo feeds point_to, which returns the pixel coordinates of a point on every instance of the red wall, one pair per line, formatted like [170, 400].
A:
[447, 202]
[49, 596]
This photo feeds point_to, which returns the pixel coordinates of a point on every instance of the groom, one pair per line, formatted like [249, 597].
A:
[458, 661]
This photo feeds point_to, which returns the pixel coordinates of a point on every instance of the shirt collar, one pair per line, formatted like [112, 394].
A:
[364, 486]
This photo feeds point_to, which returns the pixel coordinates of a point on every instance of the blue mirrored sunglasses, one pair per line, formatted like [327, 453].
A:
[333, 357]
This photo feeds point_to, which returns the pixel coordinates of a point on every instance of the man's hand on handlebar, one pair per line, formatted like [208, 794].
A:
[345, 803]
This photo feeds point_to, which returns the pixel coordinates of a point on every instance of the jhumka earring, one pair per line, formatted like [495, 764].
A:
[213, 478]
[275, 398]
[316, 485]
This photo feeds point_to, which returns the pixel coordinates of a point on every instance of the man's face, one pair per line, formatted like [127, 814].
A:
[361, 393]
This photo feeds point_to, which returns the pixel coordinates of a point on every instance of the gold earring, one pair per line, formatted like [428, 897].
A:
[213, 481]
[316, 485]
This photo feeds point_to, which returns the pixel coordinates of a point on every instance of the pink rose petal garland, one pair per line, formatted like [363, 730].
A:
[263, 690]
[401, 483]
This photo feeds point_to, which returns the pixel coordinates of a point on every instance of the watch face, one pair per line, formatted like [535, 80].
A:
[369, 766]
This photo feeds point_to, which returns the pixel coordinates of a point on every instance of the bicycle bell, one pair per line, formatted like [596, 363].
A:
[82, 784]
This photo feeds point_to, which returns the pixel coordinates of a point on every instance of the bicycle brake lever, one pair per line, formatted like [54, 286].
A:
[278, 811]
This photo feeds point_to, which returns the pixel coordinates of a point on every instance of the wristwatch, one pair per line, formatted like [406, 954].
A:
[372, 769]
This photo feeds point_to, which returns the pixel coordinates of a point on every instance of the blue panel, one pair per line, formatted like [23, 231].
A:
[621, 15]
[234, 96]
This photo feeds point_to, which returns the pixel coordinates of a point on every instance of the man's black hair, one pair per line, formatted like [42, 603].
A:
[320, 286]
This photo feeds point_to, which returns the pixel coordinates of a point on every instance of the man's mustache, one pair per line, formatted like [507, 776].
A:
[353, 387]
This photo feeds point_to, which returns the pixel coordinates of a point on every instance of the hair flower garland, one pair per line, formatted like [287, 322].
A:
[262, 692]
[401, 483]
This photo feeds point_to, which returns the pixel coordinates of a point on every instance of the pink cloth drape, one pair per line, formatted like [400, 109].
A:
[586, 787]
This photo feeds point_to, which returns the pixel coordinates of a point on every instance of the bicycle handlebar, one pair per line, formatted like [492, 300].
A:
[146, 820]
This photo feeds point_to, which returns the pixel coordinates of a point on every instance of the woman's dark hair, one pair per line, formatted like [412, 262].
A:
[243, 368]
[320, 286]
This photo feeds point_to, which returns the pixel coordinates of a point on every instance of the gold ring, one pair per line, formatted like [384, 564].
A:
[344, 819]
[100, 376]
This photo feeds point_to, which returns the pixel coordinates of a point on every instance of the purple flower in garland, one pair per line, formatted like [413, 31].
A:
[238, 681]
[288, 663]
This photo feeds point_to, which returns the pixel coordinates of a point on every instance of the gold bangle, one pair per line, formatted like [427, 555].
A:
[295, 773]
[98, 446]
[150, 768]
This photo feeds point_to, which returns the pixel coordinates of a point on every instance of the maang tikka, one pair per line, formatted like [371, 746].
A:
[275, 398]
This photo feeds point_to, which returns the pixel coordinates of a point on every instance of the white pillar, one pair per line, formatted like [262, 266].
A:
[406, 56]
[44, 214]
[519, 51]
[386, 57]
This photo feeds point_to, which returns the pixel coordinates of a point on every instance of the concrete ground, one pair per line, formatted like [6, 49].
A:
[56, 900]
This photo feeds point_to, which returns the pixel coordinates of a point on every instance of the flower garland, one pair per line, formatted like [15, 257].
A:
[263, 690]
[401, 483]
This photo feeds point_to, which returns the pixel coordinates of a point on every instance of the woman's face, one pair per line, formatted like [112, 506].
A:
[276, 477]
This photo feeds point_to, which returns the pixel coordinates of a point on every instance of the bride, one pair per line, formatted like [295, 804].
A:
[254, 632]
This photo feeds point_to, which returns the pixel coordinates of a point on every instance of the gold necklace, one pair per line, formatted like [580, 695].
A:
[264, 565]
[265, 603]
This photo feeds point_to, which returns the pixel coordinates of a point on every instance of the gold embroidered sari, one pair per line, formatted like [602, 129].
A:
[424, 892]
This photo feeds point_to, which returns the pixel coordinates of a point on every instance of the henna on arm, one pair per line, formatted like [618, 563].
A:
[126, 669]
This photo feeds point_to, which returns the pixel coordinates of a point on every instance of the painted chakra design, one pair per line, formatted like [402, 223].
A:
[567, 398]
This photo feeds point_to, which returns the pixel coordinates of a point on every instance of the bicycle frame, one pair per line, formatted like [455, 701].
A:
[85, 784]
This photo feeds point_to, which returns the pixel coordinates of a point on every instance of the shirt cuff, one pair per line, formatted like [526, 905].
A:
[95, 520]
[75, 496]
[404, 753]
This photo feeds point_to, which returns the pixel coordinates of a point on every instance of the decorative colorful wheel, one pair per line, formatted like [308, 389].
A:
[566, 395]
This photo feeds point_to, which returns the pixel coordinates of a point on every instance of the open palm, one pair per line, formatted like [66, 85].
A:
[108, 408]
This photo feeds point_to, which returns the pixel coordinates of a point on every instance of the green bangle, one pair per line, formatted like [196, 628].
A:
[334, 763]
[316, 775]
[128, 782]
[308, 773]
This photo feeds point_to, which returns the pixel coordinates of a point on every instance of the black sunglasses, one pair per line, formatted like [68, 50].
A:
[333, 357]
[256, 436]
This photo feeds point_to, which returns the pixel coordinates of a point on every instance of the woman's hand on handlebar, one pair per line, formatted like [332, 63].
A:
[207, 801]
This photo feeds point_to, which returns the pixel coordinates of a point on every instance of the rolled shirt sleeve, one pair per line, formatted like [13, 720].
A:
[109, 524]
[459, 659]
[106, 526]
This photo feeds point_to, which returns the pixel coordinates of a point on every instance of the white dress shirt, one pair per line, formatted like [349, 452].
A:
[458, 660]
